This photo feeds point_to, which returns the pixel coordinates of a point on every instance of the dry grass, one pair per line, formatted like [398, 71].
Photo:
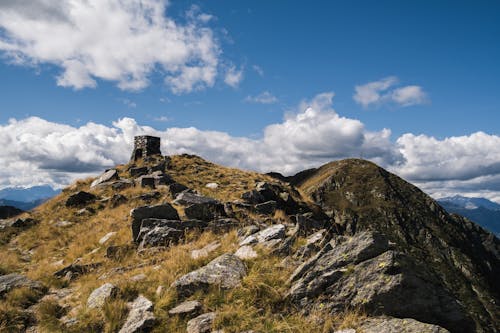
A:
[257, 304]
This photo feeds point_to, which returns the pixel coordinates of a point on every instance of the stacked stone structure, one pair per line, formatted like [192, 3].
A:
[145, 145]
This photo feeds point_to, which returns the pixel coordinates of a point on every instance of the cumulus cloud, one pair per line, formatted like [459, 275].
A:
[233, 76]
[38, 151]
[263, 98]
[383, 91]
[115, 40]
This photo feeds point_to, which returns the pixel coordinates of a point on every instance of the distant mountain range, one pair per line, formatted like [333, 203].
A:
[26, 198]
[480, 210]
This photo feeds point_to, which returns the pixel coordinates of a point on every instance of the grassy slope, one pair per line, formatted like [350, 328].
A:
[256, 305]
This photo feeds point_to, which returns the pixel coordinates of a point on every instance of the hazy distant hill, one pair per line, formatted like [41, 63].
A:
[480, 210]
[26, 198]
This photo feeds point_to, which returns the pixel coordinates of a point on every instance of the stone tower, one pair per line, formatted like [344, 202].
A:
[145, 145]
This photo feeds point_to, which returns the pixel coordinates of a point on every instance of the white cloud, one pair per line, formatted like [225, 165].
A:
[383, 91]
[114, 40]
[37, 151]
[258, 70]
[162, 119]
[233, 76]
[263, 98]
[127, 102]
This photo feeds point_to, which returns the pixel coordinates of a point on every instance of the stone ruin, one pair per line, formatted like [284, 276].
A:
[145, 145]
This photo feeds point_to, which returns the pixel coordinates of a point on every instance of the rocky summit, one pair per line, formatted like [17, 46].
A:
[179, 244]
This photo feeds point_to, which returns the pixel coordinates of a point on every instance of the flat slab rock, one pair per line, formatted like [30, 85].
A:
[140, 318]
[225, 271]
[99, 296]
[164, 211]
[11, 281]
[201, 324]
[186, 308]
[111, 174]
[395, 325]
[276, 231]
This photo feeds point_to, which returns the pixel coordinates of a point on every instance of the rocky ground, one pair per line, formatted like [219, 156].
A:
[177, 244]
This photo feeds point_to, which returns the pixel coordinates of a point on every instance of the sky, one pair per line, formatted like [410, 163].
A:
[260, 85]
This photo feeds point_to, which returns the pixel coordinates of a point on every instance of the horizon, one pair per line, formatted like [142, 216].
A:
[411, 87]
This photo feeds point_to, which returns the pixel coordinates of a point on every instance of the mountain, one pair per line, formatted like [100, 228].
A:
[480, 210]
[26, 198]
[169, 244]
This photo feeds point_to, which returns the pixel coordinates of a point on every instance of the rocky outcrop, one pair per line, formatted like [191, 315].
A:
[201, 324]
[225, 271]
[107, 176]
[101, 295]
[199, 207]
[359, 196]
[12, 281]
[396, 325]
[164, 211]
[187, 308]
[140, 318]
[364, 272]
[80, 198]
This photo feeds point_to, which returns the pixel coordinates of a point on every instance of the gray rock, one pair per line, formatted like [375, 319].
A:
[99, 296]
[121, 184]
[164, 211]
[106, 237]
[138, 171]
[187, 308]
[205, 251]
[253, 197]
[107, 176]
[246, 252]
[63, 224]
[140, 318]
[204, 211]
[267, 208]
[12, 281]
[117, 200]
[80, 198]
[225, 271]
[74, 270]
[276, 231]
[201, 324]
[176, 188]
[363, 272]
[188, 198]
[396, 325]
[247, 231]
[146, 181]
[159, 236]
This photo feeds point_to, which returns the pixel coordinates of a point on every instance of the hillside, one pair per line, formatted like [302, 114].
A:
[250, 253]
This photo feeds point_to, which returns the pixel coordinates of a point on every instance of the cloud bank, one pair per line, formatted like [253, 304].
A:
[123, 41]
[37, 151]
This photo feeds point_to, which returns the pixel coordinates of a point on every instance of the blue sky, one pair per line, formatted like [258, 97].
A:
[427, 71]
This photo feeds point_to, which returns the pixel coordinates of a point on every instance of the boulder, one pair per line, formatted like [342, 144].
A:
[163, 211]
[246, 252]
[247, 231]
[276, 231]
[188, 198]
[225, 271]
[140, 318]
[187, 308]
[138, 171]
[364, 272]
[99, 296]
[74, 270]
[12, 281]
[146, 181]
[159, 236]
[397, 325]
[204, 211]
[80, 198]
[23, 222]
[176, 188]
[117, 200]
[253, 197]
[121, 184]
[107, 176]
[201, 324]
